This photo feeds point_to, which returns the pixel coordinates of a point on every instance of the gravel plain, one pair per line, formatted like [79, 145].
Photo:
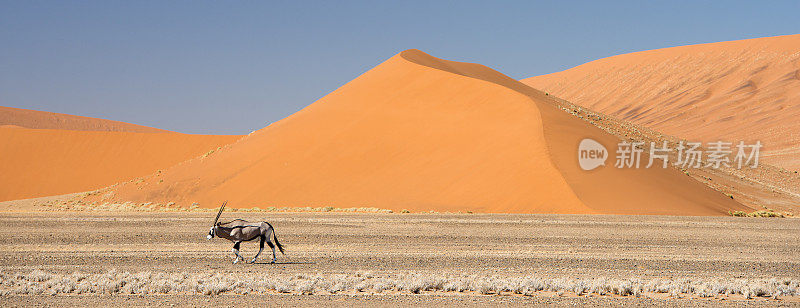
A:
[557, 252]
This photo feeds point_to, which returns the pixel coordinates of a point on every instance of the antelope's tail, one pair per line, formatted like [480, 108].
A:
[275, 237]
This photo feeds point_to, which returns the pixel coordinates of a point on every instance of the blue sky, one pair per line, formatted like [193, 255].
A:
[221, 67]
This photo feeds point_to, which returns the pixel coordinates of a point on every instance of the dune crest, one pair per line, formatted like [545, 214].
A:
[50, 120]
[743, 90]
[421, 133]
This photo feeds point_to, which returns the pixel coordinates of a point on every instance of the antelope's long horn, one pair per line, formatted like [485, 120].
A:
[221, 208]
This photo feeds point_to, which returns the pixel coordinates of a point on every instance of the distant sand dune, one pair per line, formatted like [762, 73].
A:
[740, 90]
[51, 120]
[421, 133]
[43, 162]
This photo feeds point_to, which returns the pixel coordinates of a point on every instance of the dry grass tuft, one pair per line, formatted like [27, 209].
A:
[80, 203]
[38, 282]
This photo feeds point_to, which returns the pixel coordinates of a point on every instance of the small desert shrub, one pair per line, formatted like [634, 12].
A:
[486, 288]
[761, 213]
[767, 213]
[737, 213]
[306, 287]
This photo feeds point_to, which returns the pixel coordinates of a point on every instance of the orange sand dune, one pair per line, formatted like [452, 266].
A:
[43, 162]
[741, 90]
[50, 120]
[421, 133]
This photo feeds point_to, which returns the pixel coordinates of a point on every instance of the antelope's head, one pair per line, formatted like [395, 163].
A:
[212, 232]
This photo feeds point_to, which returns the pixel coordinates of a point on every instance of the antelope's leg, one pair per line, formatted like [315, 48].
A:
[236, 252]
[273, 250]
[261, 248]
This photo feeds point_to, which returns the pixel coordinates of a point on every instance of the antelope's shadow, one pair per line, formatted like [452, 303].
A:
[280, 263]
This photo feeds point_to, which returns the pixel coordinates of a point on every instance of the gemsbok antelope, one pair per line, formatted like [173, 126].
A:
[238, 231]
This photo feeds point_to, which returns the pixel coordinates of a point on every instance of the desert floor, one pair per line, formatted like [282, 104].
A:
[400, 250]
